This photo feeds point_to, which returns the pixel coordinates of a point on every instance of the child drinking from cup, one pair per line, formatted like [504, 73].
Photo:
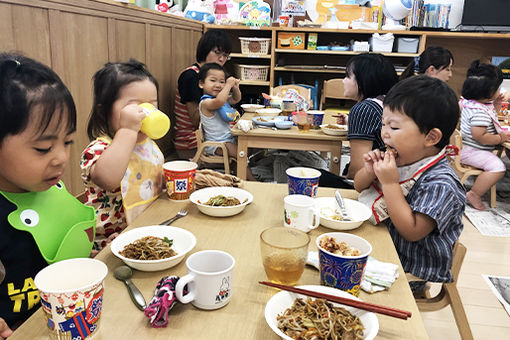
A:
[411, 185]
[122, 168]
[215, 108]
[38, 118]
[480, 129]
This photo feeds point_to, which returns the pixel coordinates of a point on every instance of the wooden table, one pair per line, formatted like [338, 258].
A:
[243, 317]
[291, 139]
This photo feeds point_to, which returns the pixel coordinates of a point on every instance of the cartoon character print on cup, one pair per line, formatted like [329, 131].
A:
[224, 291]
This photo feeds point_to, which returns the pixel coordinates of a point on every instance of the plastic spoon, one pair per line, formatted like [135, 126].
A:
[124, 273]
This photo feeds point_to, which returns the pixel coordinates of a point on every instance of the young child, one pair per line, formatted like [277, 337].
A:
[435, 62]
[215, 110]
[480, 129]
[122, 168]
[38, 121]
[412, 184]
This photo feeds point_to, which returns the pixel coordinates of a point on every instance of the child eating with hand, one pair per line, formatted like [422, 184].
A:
[413, 188]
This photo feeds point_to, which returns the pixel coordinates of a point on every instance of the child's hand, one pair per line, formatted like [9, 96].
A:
[386, 169]
[505, 136]
[131, 117]
[342, 119]
[231, 82]
[370, 158]
[5, 331]
[497, 102]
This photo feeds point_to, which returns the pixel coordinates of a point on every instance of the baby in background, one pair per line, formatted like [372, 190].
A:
[480, 129]
[215, 108]
[413, 187]
[122, 168]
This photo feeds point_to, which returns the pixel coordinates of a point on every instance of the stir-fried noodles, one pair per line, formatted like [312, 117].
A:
[318, 319]
[149, 248]
[221, 200]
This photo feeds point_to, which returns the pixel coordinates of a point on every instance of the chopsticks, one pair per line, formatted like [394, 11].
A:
[397, 313]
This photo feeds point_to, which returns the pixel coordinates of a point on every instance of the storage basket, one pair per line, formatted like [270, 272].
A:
[407, 45]
[255, 45]
[382, 43]
[252, 72]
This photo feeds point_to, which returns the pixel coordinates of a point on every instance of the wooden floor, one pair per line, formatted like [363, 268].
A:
[487, 317]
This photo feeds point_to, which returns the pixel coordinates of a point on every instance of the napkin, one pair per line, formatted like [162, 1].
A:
[245, 125]
[210, 178]
[378, 275]
[164, 299]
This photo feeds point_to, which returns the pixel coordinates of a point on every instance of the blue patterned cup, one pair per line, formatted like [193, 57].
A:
[342, 271]
[303, 181]
[317, 117]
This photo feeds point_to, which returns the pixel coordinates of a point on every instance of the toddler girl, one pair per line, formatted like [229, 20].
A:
[122, 168]
[480, 128]
[38, 121]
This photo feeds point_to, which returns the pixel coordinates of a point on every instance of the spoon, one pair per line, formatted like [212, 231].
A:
[124, 273]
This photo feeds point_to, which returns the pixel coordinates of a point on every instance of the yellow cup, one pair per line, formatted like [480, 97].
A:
[156, 124]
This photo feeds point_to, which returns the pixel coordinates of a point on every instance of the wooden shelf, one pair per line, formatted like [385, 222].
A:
[312, 70]
[254, 82]
[256, 56]
[389, 54]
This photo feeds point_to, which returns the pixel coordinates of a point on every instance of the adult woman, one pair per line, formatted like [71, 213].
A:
[213, 47]
[434, 62]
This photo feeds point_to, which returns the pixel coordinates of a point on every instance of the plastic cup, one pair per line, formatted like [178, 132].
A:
[180, 179]
[304, 122]
[71, 294]
[283, 20]
[317, 118]
[156, 124]
[343, 272]
[303, 181]
[284, 252]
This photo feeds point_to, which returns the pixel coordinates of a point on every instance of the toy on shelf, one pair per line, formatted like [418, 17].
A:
[200, 10]
[163, 5]
[255, 13]
[225, 11]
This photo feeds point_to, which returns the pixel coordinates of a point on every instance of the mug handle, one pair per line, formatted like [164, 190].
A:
[179, 289]
[316, 217]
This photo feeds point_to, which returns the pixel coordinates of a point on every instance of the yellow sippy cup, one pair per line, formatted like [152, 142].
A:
[156, 124]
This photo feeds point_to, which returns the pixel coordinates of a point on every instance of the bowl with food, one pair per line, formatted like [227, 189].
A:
[334, 129]
[153, 248]
[251, 107]
[290, 314]
[267, 120]
[221, 201]
[331, 217]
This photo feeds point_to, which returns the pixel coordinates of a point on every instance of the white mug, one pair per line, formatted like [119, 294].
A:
[209, 279]
[300, 213]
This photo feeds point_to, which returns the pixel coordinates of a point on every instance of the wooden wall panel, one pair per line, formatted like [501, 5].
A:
[130, 40]
[6, 27]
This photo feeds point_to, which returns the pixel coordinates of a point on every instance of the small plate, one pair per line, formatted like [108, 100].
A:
[268, 111]
[283, 300]
[266, 121]
[334, 129]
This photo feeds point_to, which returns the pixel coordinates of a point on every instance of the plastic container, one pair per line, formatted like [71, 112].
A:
[382, 42]
[255, 45]
[252, 72]
[407, 45]
[156, 124]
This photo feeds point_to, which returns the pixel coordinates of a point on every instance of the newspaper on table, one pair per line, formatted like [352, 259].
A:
[491, 222]
[500, 286]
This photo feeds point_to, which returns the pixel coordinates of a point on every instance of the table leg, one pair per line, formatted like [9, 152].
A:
[242, 157]
[334, 162]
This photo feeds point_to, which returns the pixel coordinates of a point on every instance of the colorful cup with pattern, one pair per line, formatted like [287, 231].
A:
[71, 293]
[283, 20]
[343, 271]
[317, 117]
[303, 181]
[180, 179]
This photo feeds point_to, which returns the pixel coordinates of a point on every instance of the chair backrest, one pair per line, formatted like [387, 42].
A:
[201, 156]
[303, 91]
[332, 88]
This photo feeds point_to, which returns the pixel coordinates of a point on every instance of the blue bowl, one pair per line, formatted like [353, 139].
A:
[303, 181]
[283, 124]
[343, 272]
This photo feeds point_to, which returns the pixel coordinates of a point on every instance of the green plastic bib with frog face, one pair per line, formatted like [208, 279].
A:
[61, 226]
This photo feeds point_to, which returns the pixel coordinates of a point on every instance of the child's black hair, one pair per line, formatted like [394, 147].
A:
[27, 87]
[429, 102]
[482, 82]
[206, 68]
[374, 74]
[436, 56]
[108, 82]
[210, 40]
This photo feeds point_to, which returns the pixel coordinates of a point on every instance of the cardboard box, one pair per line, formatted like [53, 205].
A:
[291, 40]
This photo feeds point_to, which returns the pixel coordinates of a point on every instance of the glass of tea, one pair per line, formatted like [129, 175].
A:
[284, 252]
[304, 122]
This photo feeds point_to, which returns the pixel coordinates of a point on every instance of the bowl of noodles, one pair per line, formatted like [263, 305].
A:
[331, 217]
[153, 248]
[291, 315]
[221, 201]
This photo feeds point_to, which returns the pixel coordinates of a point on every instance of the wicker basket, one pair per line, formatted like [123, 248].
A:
[255, 45]
[252, 72]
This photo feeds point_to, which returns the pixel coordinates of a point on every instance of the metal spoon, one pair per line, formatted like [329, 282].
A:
[124, 273]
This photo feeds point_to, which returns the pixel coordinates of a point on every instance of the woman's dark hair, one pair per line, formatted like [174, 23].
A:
[207, 67]
[210, 40]
[28, 87]
[374, 74]
[435, 56]
[429, 102]
[482, 82]
[107, 84]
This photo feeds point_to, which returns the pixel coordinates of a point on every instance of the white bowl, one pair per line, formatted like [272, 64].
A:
[201, 196]
[183, 242]
[251, 107]
[283, 300]
[342, 129]
[358, 213]
[268, 112]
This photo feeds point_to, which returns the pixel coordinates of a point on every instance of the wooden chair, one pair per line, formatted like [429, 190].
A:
[303, 91]
[449, 295]
[466, 171]
[202, 157]
[332, 88]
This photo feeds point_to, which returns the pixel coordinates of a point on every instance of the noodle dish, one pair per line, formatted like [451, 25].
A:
[221, 201]
[331, 217]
